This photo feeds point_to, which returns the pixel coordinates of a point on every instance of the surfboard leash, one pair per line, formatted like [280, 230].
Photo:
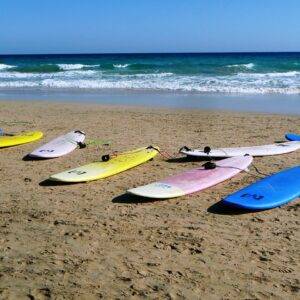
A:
[83, 145]
[164, 154]
[259, 172]
[211, 165]
[3, 133]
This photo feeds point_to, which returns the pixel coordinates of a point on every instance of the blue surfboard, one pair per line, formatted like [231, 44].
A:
[292, 137]
[270, 192]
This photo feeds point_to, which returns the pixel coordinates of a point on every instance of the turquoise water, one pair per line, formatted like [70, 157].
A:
[248, 73]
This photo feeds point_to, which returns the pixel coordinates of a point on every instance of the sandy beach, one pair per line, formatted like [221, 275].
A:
[90, 241]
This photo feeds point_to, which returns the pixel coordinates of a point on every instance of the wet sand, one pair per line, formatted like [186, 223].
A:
[261, 103]
[90, 241]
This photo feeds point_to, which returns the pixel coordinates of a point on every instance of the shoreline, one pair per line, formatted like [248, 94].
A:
[266, 103]
[90, 240]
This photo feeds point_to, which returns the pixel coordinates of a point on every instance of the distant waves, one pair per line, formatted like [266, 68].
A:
[245, 74]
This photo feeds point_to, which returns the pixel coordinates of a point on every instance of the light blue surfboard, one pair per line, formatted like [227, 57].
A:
[270, 192]
[292, 137]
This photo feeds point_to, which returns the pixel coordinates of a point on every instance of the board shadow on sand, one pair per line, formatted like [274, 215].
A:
[133, 199]
[27, 157]
[220, 208]
[217, 208]
[280, 141]
[48, 182]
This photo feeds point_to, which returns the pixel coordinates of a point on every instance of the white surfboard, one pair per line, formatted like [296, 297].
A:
[273, 149]
[60, 146]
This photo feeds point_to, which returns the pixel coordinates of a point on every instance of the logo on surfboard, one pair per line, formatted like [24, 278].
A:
[253, 196]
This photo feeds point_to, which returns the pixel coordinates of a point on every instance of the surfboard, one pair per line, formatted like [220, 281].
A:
[193, 180]
[60, 146]
[292, 137]
[22, 138]
[265, 150]
[270, 192]
[103, 169]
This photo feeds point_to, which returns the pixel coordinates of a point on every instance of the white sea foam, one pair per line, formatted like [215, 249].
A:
[36, 76]
[121, 66]
[243, 83]
[18, 75]
[4, 66]
[246, 66]
[18, 84]
[271, 74]
[76, 73]
[175, 86]
[66, 67]
[151, 75]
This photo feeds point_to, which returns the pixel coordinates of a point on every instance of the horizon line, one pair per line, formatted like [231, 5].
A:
[146, 53]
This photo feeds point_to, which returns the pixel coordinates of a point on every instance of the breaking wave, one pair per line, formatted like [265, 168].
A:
[4, 66]
[245, 66]
[240, 83]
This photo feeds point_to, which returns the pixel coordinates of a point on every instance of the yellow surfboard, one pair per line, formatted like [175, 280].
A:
[22, 138]
[102, 169]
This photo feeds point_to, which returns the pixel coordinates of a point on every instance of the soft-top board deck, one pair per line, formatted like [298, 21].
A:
[270, 192]
[193, 180]
[22, 138]
[273, 149]
[292, 137]
[102, 169]
[60, 146]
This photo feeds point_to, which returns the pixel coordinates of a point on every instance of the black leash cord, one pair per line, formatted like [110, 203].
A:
[164, 154]
[258, 171]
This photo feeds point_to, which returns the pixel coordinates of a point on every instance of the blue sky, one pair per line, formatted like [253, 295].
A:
[119, 26]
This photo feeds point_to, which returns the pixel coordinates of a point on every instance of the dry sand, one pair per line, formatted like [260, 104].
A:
[87, 241]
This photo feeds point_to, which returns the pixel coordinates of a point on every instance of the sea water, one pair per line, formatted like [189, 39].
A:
[238, 73]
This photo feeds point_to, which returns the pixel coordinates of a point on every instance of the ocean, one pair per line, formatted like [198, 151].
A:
[229, 73]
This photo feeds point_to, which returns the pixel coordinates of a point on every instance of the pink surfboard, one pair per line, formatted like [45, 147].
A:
[193, 180]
